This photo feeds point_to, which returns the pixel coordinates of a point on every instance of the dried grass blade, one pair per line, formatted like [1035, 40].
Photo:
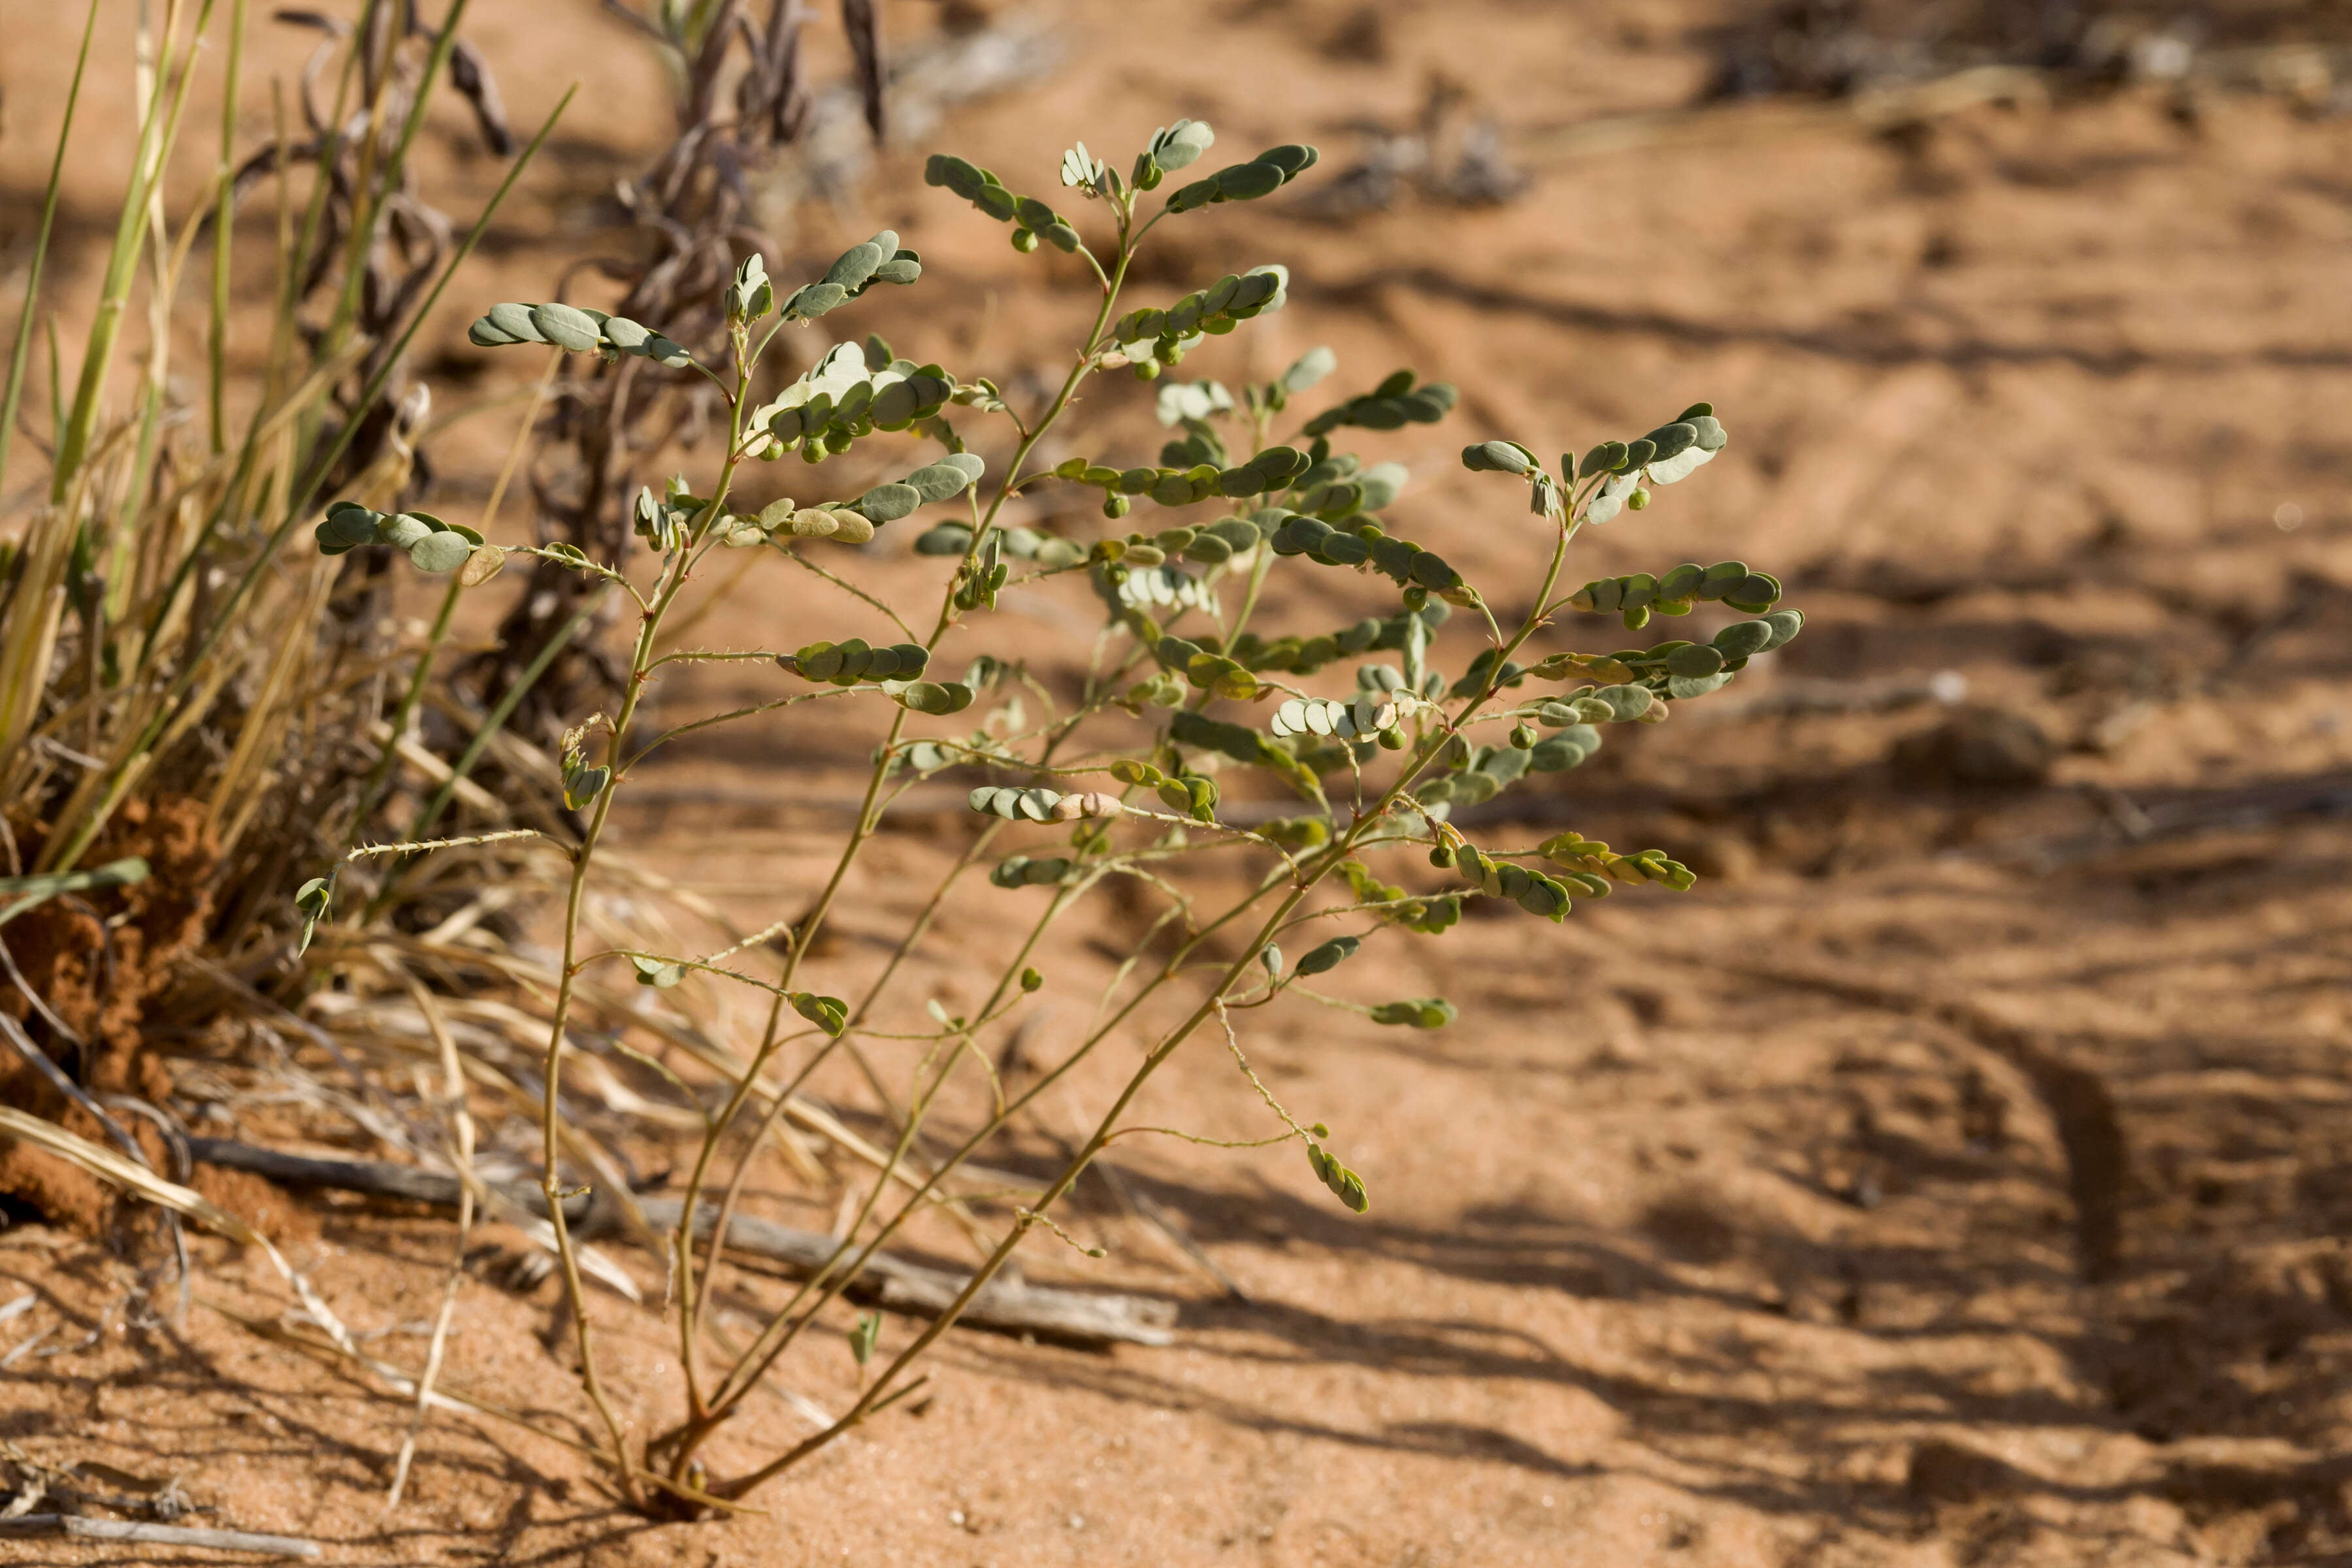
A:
[461, 1119]
[107, 1165]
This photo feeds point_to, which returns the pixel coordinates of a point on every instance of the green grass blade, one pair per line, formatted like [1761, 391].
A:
[23, 351]
[224, 616]
[156, 134]
[223, 213]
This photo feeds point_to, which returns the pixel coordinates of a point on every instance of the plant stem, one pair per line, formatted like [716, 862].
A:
[492, 722]
[813, 921]
[1107, 1127]
[640, 665]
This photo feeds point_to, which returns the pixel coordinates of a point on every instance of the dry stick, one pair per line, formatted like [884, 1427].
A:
[74, 1527]
[885, 1279]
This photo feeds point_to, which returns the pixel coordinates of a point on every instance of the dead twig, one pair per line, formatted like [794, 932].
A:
[75, 1528]
[2130, 824]
[1073, 1316]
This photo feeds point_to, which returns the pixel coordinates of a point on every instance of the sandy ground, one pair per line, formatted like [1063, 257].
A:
[1947, 1180]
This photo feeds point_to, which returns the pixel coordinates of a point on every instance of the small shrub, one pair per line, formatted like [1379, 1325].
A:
[1379, 762]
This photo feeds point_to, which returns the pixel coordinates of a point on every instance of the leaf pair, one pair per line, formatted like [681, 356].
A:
[1037, 804]
[985, 192]
[1261, 176]
[1211, 311]
[575, 330]
[432, 545]
[1391, 405]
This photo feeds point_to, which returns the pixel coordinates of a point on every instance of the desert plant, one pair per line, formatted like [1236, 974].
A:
[1126, 778]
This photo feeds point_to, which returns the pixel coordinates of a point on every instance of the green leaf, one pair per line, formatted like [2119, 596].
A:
[1497, 457]
[1756, 593]
[940, 481]
[583, 786]
[863, 1336]
[439, 553]
[1181, 144]
[566, 326]
[314, 900]
[349, 524]
[1681, 688]
[935, 698]
[1329, 956]
[514, 323]
[1695, 660]
[813, 300]
[1345, 1184]
[887, 503]
[1309, 369]
[655, 971]
[830, 1014]
[1742, 639]
[402, 532]
[1248, 182]
[856, 265]
[1422, 1013]
[1293, 158]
